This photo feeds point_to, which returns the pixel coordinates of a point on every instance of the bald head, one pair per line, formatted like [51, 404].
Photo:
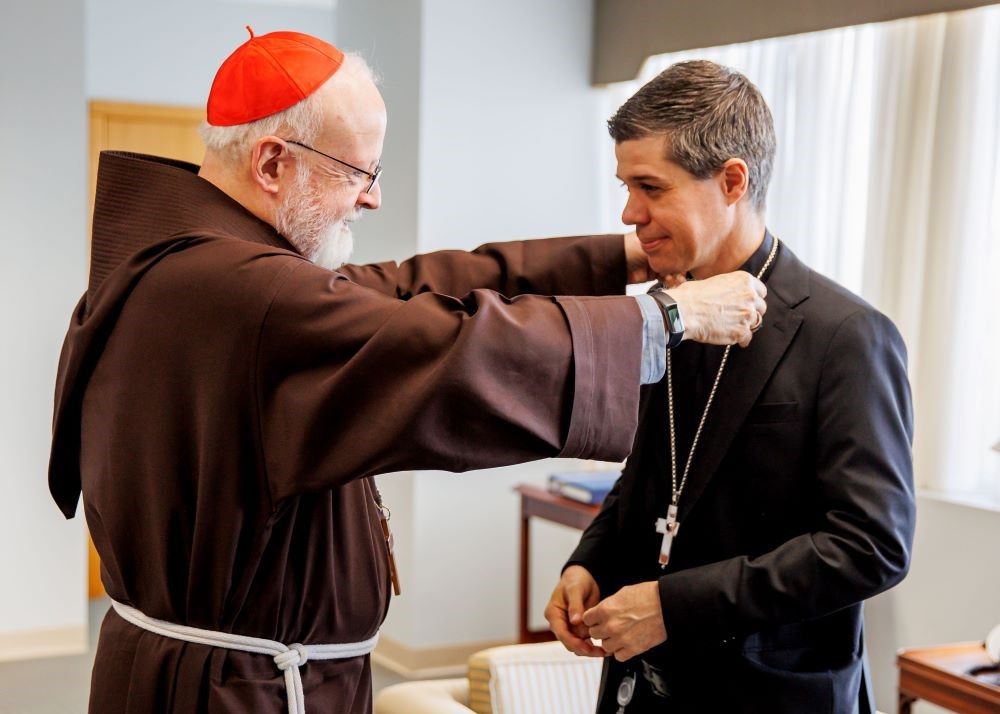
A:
[352, 107]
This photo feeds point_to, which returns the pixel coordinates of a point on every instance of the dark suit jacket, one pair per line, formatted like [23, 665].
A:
[799, 506]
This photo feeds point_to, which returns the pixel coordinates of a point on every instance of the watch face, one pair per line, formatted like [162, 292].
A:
[674, 317]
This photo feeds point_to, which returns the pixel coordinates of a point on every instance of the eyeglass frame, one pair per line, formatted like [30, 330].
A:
[373, 175]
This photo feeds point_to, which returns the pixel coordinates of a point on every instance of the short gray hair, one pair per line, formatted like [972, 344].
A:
[709, 114]
[301, 121]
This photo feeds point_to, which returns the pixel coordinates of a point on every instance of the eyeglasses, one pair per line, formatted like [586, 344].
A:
[373, 175]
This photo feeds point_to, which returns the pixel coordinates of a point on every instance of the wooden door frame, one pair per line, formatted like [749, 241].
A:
[100, 115]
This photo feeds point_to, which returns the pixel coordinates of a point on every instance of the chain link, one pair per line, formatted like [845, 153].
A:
[678, 490]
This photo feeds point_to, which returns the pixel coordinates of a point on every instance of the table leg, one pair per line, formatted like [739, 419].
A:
[905, 703]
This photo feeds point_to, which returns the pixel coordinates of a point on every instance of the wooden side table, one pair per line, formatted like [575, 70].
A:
[943, 675]
[539, 503]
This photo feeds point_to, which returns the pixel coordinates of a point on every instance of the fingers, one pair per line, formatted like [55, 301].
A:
[752, 311]
[581, 646]
[586, 648]
[579, 591]
[722, 310]
[575, 604]
[619, 650]
[571, 640]
[613, 635]
[629, 622]
[626, 653]
[636, 260]
[596, 620]
[759, 307]
[673, 280]
[566, 605]
[612, 643]
[575, 609]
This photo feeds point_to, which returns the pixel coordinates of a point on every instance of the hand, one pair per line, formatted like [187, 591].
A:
[637, 268]
[629, 622]
[721, 310]
[577, 590]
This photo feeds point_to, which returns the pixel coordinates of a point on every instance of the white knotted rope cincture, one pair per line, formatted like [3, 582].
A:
[288, 658]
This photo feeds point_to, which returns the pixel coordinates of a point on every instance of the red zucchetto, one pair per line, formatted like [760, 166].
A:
[268, 74]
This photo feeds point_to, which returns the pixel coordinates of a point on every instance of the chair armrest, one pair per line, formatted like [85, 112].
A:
[435, 696]
[533, 677]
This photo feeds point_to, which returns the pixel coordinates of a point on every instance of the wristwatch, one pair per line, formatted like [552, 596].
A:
[671, 316]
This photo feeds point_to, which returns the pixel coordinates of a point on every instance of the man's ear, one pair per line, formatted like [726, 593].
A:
[269, 163]
[734, 180]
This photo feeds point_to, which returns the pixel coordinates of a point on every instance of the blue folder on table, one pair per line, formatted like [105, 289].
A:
[583, 486]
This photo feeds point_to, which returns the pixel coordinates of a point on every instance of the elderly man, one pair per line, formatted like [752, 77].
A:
[769, 490]
[224, 398]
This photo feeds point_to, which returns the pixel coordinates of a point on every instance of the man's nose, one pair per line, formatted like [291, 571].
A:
[634, 213]
[370, 199]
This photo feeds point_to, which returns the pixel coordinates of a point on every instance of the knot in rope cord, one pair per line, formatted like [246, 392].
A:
[296, 656]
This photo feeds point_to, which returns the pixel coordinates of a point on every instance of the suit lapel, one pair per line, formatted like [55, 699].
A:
[747, 372]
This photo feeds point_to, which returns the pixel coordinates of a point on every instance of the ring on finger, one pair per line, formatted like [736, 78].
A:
[756, 325]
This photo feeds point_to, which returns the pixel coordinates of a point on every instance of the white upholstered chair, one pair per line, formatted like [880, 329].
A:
[516, 679]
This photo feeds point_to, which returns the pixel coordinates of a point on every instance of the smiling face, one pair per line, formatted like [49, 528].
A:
[683, 222]
[695, 147]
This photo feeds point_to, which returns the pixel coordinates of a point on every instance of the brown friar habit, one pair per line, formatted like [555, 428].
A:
[223, 404]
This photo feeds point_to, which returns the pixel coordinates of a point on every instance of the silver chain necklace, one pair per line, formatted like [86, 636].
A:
[669, 526]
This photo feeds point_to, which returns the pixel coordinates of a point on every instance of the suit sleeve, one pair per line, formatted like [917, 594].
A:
[599, 544]
[582, 265]
[352, 383]
[864, 520]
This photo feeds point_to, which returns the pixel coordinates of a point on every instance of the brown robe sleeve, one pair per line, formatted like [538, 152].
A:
[353, 383]
[581, 265]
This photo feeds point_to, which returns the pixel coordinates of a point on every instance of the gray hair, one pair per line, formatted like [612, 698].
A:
[709, 114]
[301, 121]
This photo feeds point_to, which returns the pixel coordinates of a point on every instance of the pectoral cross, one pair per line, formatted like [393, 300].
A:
[668, 527]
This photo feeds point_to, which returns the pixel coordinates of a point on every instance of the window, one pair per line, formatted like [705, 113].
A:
[887, 179]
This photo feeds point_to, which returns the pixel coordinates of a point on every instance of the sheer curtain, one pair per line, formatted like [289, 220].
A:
[887, 179]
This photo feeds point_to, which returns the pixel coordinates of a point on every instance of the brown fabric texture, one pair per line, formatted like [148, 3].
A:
[223, 403]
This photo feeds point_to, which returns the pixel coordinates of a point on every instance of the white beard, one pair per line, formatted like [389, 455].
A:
[336, 243]
[324, 240]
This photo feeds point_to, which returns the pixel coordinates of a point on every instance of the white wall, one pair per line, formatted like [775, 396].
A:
[501, 135]
[42, 274]
[509, 148]
[387, 34]
[510, 127]
[167, 52]
[952, 593]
